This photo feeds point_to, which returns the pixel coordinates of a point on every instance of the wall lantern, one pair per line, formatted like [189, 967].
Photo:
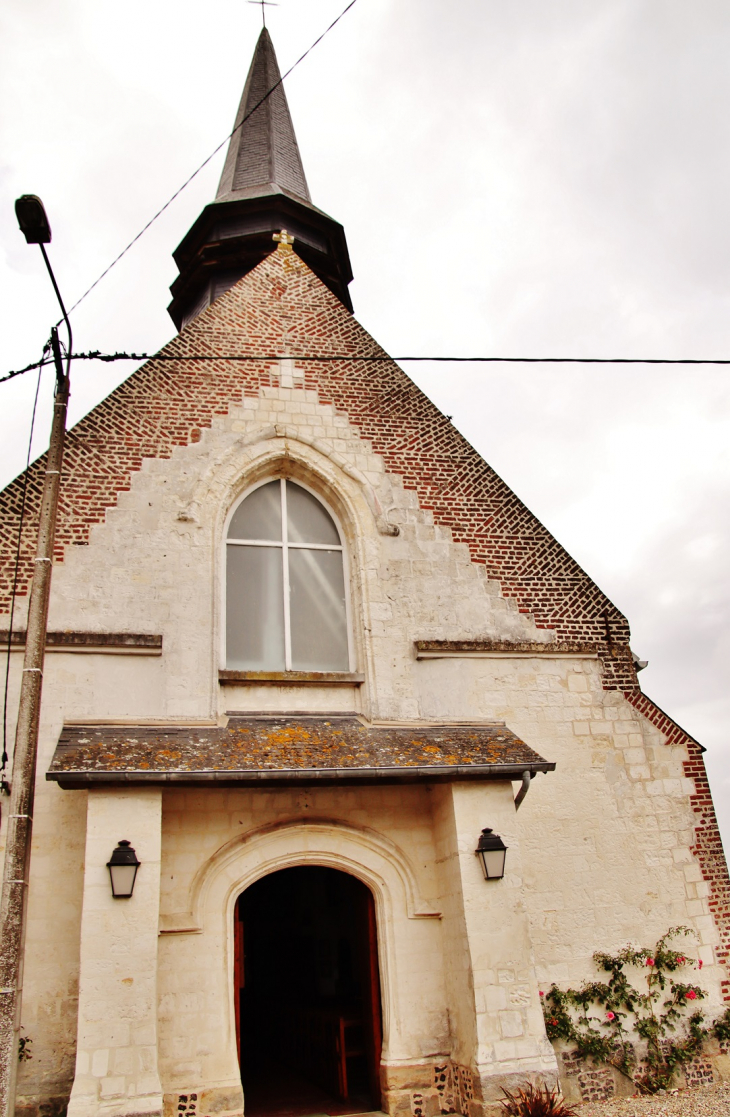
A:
[491, 851]
[123, 870]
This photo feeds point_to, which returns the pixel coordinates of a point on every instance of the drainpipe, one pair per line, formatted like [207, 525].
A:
[526, 777]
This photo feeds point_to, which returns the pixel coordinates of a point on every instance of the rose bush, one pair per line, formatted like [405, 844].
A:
[651, 1018]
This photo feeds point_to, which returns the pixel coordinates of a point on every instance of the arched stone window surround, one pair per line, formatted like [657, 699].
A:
[261, 454]
[290, 470]
[365, 854]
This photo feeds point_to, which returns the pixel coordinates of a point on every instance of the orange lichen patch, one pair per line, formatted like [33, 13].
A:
[289, 735]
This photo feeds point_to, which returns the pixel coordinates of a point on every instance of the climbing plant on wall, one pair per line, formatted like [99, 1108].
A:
[644, 1020]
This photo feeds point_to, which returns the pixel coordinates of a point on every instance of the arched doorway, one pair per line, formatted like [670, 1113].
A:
[307, 994]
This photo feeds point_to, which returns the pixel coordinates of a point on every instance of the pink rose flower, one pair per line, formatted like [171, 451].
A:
[610, 1015]
[541, 993]
[700, 963]
[681, 960]
[649, 962]
[691, 995]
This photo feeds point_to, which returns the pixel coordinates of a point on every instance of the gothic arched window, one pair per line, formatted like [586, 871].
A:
[285, 589]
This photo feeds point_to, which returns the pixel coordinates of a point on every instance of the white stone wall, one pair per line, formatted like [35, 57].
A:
[607, 836]
[116, 1055]
[604, 842]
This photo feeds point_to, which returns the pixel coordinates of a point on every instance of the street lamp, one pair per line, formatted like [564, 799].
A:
[491, 851]
[122, 866]
[36, 229]
[32, 219]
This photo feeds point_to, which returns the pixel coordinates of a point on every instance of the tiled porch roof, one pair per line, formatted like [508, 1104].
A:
[289, 749]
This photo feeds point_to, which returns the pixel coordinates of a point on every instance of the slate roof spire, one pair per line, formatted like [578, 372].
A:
[263, 189]
[264, 151]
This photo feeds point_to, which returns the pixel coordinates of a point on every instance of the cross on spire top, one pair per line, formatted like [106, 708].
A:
[264, 4]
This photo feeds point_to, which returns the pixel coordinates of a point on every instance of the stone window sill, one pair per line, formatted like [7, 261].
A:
[290, 678]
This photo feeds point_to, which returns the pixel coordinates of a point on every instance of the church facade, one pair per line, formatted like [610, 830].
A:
[305, 646]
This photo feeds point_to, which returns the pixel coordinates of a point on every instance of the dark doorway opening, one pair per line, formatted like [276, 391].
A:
[307, 994]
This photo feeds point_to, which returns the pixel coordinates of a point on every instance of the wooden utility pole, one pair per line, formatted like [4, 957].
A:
[20, 815]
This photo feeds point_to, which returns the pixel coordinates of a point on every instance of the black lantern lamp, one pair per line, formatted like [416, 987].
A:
[123, 870]
[491, 851]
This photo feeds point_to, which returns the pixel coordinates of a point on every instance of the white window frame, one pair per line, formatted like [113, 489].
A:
[286, 545]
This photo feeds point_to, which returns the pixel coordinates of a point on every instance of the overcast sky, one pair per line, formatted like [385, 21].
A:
[521, 178]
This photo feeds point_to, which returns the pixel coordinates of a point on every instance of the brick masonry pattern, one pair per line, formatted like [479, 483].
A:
[282, 309]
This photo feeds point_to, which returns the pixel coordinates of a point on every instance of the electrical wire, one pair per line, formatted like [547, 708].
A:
[96, 355]
[21, 519]
[326, 358]
[28, 368]
[212, 155]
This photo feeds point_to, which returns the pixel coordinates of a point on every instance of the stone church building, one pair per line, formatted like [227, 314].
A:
[304, 647]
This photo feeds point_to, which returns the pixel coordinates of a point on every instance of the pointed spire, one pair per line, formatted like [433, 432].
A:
[262, 191]
[263, 152]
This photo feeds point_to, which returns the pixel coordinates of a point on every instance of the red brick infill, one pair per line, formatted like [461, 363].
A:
[281, 307]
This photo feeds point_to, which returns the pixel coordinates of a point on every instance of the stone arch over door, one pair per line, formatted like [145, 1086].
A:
[198, 944]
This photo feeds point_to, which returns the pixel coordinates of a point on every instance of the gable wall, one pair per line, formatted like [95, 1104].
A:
[147, 507]
[281, 306]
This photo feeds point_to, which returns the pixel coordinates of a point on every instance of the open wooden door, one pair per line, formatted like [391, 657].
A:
[370, 979]
[308, 1022]
[238, 972]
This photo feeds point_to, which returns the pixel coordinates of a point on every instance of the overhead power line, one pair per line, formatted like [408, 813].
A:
[20, 371]
[375, 358]
[212, 155]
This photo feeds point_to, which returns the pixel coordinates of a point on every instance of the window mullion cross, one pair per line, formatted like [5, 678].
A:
[285, 576]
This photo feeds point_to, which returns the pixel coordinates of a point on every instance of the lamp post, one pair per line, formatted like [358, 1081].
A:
[13, 912]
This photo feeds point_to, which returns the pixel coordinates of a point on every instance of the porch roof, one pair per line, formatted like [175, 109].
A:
[289, 749]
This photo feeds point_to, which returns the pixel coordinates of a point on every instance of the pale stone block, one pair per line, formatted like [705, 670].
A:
[578, 684]
[147, 1084]
[112, 1087]
[494, 999]
[510, 1024]
[99, 1062]
[695, 907]
[505, 1050]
